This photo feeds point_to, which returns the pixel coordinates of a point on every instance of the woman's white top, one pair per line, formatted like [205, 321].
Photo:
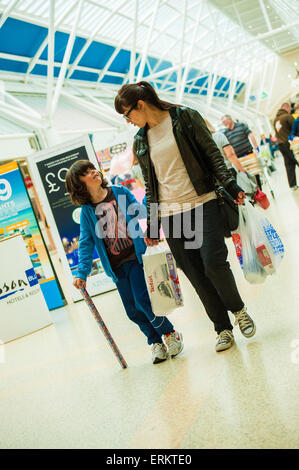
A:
[176, 191]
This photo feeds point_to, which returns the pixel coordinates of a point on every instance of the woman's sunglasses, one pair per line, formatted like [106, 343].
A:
[127, 115]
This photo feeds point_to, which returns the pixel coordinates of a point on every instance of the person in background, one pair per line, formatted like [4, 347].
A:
[241, 139]
[295, 110]
[226, 150]
[136, 171]
[295, 125]
[104, 225]
[239, 136]
[273, 145]
[283, 123]
[179, 162]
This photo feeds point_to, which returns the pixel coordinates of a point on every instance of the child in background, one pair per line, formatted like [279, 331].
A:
[103, 224]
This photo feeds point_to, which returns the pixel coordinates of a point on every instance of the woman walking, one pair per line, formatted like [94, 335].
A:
[179, 162]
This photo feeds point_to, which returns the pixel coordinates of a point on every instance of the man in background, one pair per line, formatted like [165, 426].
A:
[238, 135]
[283, 128]
[243, 142]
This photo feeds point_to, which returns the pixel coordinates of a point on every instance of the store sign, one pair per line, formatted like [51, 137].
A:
[106, 155]
[23, 309]
[50, 168]
[16, 215]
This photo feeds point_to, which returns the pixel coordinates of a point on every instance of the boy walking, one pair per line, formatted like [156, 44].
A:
[104, 224]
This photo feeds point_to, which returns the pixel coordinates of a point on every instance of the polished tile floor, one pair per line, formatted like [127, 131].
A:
[62, 387]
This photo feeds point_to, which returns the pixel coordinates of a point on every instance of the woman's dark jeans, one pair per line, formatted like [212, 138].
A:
[206, 267]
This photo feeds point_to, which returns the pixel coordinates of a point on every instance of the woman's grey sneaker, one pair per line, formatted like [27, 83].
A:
[159, 353]
[225, 340]
[174, 343]
[245, 322]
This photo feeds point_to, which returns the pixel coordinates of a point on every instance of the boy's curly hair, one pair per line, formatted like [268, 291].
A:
[75, 187]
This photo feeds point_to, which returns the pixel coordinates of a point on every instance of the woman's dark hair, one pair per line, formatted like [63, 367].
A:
[130, 94]
[75, 187]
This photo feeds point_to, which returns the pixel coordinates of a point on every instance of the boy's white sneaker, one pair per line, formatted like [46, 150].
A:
[174, 343]
[159, 353]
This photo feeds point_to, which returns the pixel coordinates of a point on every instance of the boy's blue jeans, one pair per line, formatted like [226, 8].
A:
[133, 292]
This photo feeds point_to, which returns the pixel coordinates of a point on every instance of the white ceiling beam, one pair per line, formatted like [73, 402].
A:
[249, 86]
[92, 37]
[187, 67]
[41, 48]
[265, 14]
[119, 46]
[273, 78]
[87, 131]
[105, 107]
[11, 5]
[227, 49]
[16, 136]
[50, 62]
[93, 109]
[40, 21]
[17, 116]
[66, 59]
[262, 84]
[213, 76]
[171, 46]
[180, 69]
[56, 64]
[21, 105]
[147, 42]
[133, 50]
[191, 83]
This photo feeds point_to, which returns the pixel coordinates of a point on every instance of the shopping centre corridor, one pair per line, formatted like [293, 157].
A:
[63, 388]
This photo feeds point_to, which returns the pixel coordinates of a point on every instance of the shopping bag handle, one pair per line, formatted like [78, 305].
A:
[153, 250]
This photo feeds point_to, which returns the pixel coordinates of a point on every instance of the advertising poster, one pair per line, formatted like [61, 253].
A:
[105, 156]
[16, 215]
[50, 168]
[118, 163]
[23, 309]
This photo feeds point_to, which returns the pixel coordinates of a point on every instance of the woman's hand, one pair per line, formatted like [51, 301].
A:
[79, 283]
[241, 198]
[151, 241]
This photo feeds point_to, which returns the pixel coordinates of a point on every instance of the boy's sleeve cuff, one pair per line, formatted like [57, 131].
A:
[81, 276]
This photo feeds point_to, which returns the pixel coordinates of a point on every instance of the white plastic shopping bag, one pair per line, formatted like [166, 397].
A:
[244, 181]
[253, 270]
[258, 247]
[162, 280]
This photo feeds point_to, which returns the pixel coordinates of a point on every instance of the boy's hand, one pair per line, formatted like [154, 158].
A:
[151, 241]
[79, 283]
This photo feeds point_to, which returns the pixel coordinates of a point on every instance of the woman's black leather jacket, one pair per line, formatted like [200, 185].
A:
[202, 158]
